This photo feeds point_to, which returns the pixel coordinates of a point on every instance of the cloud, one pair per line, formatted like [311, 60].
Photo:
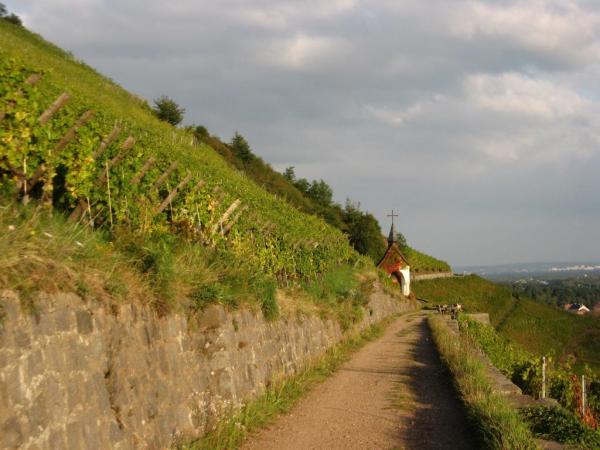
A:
[564, 27]
[401, 117]
[479, 119]
[301, 51]
[514, 93]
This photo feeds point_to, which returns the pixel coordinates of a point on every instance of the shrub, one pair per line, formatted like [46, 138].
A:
[559, 425]
[168, 111]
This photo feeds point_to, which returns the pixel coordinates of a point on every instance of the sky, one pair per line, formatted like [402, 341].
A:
[477, 121]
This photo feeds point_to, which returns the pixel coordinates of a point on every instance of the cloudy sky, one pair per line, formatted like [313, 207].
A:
[477, 120]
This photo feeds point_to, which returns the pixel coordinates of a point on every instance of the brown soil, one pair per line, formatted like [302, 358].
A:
[393, 393]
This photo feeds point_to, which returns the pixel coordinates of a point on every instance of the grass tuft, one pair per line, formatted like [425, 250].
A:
[498, 424]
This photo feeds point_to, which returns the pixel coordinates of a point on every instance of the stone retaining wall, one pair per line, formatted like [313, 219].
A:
[83, 377]
[431, 276]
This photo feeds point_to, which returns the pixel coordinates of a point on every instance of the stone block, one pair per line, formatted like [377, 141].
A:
[162, 361]
[11, 435]
[212, 317]
[35, 364]
[22, 338]
[115, 432]
[85, 324]
[63, 319]
[14, 388]
[74, 435]
[57, 440]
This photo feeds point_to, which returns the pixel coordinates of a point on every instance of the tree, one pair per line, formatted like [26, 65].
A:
[241, 148]
[199, 132]
[363, 231]
[290, 174]
[167, 110]
[320, 192]
[401, 242]
[12, 18]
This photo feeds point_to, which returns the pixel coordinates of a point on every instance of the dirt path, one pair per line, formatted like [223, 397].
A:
[391, 395]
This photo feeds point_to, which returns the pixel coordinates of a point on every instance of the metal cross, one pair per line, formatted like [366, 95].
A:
[392, 215]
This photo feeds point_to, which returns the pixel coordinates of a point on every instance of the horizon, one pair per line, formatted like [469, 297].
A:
[531, 263]
[476, 120]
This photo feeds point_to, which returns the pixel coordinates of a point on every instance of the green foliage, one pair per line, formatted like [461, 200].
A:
[320, 192]
[539, 328]
[423, 263]
[168, 111]
[585, 291]
[342, 292]
[364, 232]
[402, 243]
[525, 369]
[12, 18]
[241, 148]
[559, 425]
[498, 424]
[41, 252]
[294, 246]
[269, 306]
[199, 132]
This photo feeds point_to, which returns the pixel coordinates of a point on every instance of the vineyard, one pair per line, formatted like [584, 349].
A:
[75, 142]
[561, 384]
[423, 263]
[538, 327]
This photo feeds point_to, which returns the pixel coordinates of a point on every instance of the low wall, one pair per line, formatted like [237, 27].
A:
[81, 376]
[431, 276]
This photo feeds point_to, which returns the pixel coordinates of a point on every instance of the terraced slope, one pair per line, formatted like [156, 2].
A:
[537, 327]
[214, 201]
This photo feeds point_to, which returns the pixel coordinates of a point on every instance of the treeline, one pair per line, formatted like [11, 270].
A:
[9, 17]
[313, 197]
[310, 196]
[560, 292]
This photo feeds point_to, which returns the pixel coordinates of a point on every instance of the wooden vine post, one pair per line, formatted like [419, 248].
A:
[53, 108]
[145, 168]
[66, 140]
[225, 216]
[173, 193]
[125, 146]
[165, 175]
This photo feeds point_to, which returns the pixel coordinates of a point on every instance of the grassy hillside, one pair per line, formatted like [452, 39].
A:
[422, 263]
[362, 228]
[243, 251]
[537, 327]
[262, 174]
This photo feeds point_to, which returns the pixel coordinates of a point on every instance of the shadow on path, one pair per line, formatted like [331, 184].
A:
[438, 418]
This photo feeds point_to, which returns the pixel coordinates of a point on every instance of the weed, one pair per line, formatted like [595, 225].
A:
[557, 424]
[82, 289]
[498, 424]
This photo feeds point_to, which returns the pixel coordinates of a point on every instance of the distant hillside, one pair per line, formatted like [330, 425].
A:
[537, 327]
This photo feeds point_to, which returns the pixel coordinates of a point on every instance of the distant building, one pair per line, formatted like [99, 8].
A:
[577, 308]
[394, 263]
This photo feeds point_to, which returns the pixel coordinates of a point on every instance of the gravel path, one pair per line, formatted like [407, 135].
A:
[391, 395]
